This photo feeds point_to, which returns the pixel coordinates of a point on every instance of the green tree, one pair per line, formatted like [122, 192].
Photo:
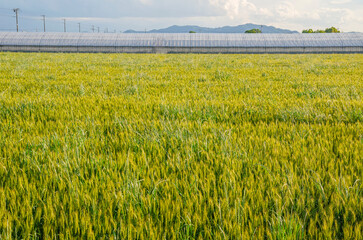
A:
[255, 30]
[192, 32]
[332, 30]
[327, 30]
[308, 31]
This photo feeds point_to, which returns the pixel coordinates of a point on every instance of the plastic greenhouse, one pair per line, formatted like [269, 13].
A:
[182, 43]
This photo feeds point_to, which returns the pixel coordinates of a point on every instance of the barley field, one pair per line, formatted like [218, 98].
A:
[122, 146]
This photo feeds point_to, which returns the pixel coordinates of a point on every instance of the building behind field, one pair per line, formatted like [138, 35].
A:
[182, 43]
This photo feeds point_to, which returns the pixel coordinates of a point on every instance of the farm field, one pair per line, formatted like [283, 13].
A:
[122, 146]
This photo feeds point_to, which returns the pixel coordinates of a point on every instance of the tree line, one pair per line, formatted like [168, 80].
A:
[327, 30]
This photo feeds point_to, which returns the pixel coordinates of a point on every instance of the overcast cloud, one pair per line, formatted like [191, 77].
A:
[149, 14]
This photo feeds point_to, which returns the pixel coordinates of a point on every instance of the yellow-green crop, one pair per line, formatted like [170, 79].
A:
[122, 146]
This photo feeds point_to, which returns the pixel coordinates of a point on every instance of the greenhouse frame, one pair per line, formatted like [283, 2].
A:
[181, 42]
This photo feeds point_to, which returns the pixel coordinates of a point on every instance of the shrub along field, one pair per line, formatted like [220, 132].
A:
[181, 146]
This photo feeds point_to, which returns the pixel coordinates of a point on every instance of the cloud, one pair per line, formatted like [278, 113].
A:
[340, 1]
[146, 2]
[299, 14]
[287, 10]
[234, 8]
[266, 12]
[126, 14]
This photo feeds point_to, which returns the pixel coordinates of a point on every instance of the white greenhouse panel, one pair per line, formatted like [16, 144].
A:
[109, 41]
[60, 39]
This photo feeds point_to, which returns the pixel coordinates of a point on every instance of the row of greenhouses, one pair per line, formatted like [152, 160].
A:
[182, 43]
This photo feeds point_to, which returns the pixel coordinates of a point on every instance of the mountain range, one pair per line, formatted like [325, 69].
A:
[225, 29]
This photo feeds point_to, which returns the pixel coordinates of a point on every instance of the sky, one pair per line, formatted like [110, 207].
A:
[121, 15]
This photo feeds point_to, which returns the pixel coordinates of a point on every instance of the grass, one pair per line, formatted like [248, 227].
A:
[181, 146]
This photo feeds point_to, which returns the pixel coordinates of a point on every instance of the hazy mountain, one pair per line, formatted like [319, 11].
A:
[226, 29]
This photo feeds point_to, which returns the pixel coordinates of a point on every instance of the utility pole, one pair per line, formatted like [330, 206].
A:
[16, 10]
[79, 27]
[93, 28]
[65, 27]
[43, 21]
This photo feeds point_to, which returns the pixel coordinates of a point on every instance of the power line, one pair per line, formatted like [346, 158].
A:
[6, 15]
[24, 19]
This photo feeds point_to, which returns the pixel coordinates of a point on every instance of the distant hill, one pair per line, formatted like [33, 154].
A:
[226, 29]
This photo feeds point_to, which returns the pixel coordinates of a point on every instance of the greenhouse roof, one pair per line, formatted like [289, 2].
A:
[181, 40]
